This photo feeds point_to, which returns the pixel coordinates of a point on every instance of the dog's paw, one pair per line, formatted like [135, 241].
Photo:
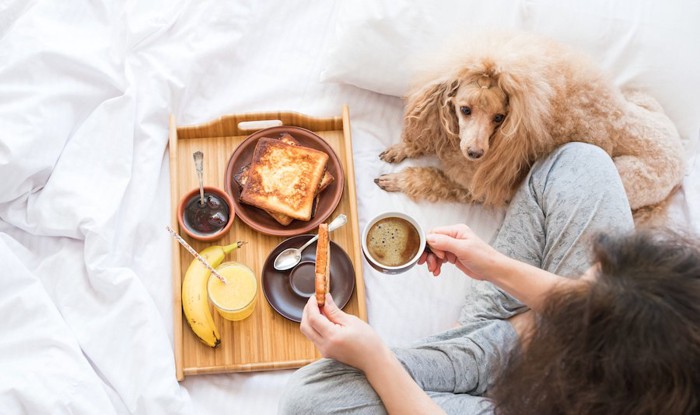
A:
[393, 154]
[389, 182]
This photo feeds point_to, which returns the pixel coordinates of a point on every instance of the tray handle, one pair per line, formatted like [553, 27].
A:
[250, 127]
[245, 124]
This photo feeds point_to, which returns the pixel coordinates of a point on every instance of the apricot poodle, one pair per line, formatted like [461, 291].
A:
[506, 100]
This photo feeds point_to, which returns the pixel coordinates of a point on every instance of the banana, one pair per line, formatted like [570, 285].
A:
[195, 301]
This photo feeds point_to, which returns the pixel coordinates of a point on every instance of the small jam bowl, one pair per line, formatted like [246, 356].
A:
[193, 197]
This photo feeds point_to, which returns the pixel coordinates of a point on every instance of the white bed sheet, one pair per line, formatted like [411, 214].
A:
[85, 281]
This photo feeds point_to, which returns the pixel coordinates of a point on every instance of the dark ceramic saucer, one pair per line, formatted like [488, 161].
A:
[280, 293]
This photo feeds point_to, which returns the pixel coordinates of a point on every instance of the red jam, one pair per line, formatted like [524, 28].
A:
[209, 218]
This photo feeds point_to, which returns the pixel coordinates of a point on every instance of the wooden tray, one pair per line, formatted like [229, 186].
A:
[265, 340]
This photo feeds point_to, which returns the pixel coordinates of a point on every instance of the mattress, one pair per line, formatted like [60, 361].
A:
[85, 288]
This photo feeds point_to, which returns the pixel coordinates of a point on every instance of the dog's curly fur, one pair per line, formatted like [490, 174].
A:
[508, 99]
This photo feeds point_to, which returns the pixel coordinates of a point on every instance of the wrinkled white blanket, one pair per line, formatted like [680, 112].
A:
[85, 276]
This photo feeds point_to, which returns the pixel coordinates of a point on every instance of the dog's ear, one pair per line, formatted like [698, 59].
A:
[429, 120]
[521, 138]
[528, 106]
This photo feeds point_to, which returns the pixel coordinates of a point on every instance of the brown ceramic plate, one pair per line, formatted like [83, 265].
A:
[258, 219]
[278, 290]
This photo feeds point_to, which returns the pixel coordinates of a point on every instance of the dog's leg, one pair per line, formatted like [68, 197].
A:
[399, 152]
[654, 215]
[424, 183]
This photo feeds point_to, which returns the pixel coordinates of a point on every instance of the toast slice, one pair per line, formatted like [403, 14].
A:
[242, 177]
[284, 178]
[327, 177]
[323, 264]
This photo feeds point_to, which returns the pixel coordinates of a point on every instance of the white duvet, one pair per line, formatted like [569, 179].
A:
[85, 276]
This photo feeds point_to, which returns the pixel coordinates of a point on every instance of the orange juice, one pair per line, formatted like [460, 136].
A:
[236, 299]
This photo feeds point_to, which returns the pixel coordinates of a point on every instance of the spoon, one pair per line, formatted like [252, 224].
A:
[198, 158]
[288, 258]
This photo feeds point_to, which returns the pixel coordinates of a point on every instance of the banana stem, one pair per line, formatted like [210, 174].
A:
[230, 248]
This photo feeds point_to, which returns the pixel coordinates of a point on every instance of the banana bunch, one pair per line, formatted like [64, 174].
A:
[195, 301]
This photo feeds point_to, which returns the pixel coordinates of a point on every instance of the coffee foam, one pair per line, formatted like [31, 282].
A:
[393, 241]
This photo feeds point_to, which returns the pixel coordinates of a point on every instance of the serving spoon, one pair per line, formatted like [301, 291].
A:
[290, 257]
[198, 165]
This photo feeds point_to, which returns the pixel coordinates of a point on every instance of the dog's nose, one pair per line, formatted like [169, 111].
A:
[475, 154]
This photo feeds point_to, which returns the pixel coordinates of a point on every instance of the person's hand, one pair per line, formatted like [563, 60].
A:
[432, 261]
[459, 245]
[339, 335]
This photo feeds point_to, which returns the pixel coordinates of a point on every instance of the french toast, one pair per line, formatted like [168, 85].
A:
[323, 264]
[284, 178]
[242, 176]
[327, 177]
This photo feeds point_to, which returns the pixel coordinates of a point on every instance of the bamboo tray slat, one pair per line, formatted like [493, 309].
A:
[265, 340]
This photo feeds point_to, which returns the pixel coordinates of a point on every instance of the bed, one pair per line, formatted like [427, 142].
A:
[85, 95]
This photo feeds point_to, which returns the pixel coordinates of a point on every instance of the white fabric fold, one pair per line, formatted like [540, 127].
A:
[86, 89]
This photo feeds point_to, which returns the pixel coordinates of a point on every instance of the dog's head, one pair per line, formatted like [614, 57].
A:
[493, 114]
[480, 106]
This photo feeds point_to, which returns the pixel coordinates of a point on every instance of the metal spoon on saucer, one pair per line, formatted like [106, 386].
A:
[290, 257]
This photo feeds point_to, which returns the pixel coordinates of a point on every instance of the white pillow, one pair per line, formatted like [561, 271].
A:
[377, 42]
[646, 44]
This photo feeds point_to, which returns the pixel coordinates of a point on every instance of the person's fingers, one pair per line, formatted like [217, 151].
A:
[431, 261]
[439, 267]
[321, 324]
[305, 326]
[458, 231]
[316, 320]
[436, 265]
[423, 257]
[436, 271]
[440, 242]
[332, 312]
[427, 259]
[451, 258]
[437, 252]
[310, 333]
[311, 304]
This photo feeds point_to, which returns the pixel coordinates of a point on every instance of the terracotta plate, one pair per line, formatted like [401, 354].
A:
[258, 219]
[279, 292]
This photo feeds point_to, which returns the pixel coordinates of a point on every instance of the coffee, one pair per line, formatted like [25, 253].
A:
[393, 241]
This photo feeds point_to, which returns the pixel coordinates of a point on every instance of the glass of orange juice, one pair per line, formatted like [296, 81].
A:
[236, 299]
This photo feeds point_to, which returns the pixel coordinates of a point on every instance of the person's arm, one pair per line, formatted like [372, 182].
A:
[397, 390]
[459, 245]
[523, 281]
[348, 339]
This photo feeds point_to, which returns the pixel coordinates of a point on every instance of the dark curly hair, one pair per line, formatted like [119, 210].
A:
[626, 343]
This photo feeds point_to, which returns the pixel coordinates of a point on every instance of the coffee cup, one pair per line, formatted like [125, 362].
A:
[392, 242]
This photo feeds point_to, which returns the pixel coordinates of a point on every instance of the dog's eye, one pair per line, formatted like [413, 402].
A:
[465, 110]
[499, 118]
